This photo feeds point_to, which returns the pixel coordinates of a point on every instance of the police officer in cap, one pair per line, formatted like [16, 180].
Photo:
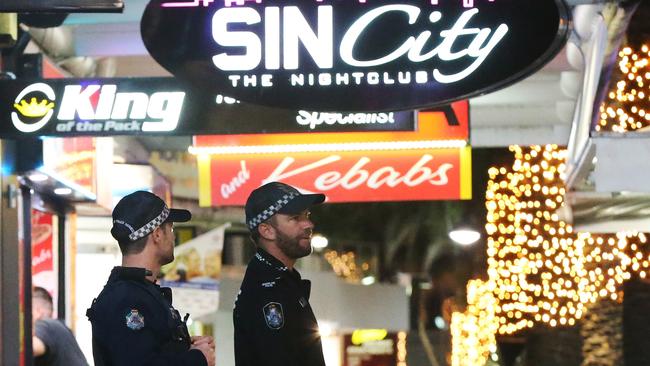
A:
[274, 323]
[133, 321]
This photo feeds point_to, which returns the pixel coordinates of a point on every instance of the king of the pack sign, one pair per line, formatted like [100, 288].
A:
[346, 55]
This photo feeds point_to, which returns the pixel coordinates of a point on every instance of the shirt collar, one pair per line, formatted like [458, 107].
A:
[129, 273]
[265, 259]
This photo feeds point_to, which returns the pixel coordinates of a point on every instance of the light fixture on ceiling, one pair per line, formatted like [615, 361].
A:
[464, 236]
[64, 191]
[38, 177]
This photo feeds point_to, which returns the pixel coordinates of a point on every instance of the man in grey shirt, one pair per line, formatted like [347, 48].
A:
[54, 344]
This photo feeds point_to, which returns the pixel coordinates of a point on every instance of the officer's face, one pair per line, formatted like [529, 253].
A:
[168, 242]
[293, 234]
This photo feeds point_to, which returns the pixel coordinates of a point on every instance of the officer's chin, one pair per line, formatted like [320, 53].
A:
[307, 248]
[168, 260]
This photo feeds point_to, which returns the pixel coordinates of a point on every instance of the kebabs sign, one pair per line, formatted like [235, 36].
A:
[346, 55]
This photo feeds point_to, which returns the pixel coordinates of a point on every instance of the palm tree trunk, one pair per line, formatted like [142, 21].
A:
[547, 346]
[602, 334]
[636, 323]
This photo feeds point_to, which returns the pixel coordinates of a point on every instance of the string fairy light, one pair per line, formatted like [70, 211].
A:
[627, 106]
[537, 271]
[345, 265]
[473, 331]
[543, 271]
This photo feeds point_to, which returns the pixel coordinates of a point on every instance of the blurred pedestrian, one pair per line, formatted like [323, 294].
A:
[53, 342]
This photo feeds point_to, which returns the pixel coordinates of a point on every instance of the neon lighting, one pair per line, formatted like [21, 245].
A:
[353, 146]
[229, 3]
[185, 4]
[240, 2]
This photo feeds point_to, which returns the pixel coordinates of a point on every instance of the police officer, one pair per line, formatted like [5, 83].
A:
[133, 321]
[274, 323]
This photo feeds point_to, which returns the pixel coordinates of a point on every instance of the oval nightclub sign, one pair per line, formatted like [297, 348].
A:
[345, 55]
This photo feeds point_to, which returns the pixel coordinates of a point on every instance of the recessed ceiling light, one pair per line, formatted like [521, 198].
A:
[62, 191]
[38, 177]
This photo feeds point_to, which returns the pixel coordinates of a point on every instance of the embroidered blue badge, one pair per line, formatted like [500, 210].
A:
[134, 320]
[273, 315]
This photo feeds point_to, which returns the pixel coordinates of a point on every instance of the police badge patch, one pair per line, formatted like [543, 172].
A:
[273, 315]
[134, 320]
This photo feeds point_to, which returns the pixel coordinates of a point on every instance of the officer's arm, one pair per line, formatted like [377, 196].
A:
[130, 335]
[269, 327]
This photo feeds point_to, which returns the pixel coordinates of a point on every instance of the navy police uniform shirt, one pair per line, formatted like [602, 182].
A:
[274, 323]
[134, 323]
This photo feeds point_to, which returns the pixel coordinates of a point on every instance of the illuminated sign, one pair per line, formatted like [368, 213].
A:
[361, 336]
[329, 55]
[444, 127]
[430, 163]
[103, 107]
[67, 6]
[95, 107]
[344, 176]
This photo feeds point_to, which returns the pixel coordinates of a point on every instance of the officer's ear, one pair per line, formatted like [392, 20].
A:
[267, 231]
[157, 234]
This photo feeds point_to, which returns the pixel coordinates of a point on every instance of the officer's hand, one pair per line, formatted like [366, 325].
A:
[196, 340]
[207, 350]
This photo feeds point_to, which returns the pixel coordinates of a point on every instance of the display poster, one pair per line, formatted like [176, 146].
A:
[44, 253]
[194, 274]
[73, 161]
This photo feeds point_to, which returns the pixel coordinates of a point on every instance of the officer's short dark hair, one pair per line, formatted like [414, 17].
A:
[137, 215]
[133, 247]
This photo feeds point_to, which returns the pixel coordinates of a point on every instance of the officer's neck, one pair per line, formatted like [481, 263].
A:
[140, 261]
[279, 255]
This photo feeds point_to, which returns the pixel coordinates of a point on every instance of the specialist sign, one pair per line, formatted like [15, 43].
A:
[345, 176]
[161, 106]
[66, 6]
[448, 123]
[326, 55]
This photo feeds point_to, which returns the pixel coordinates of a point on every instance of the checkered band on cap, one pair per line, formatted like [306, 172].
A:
[147, 228]
[271, 210]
